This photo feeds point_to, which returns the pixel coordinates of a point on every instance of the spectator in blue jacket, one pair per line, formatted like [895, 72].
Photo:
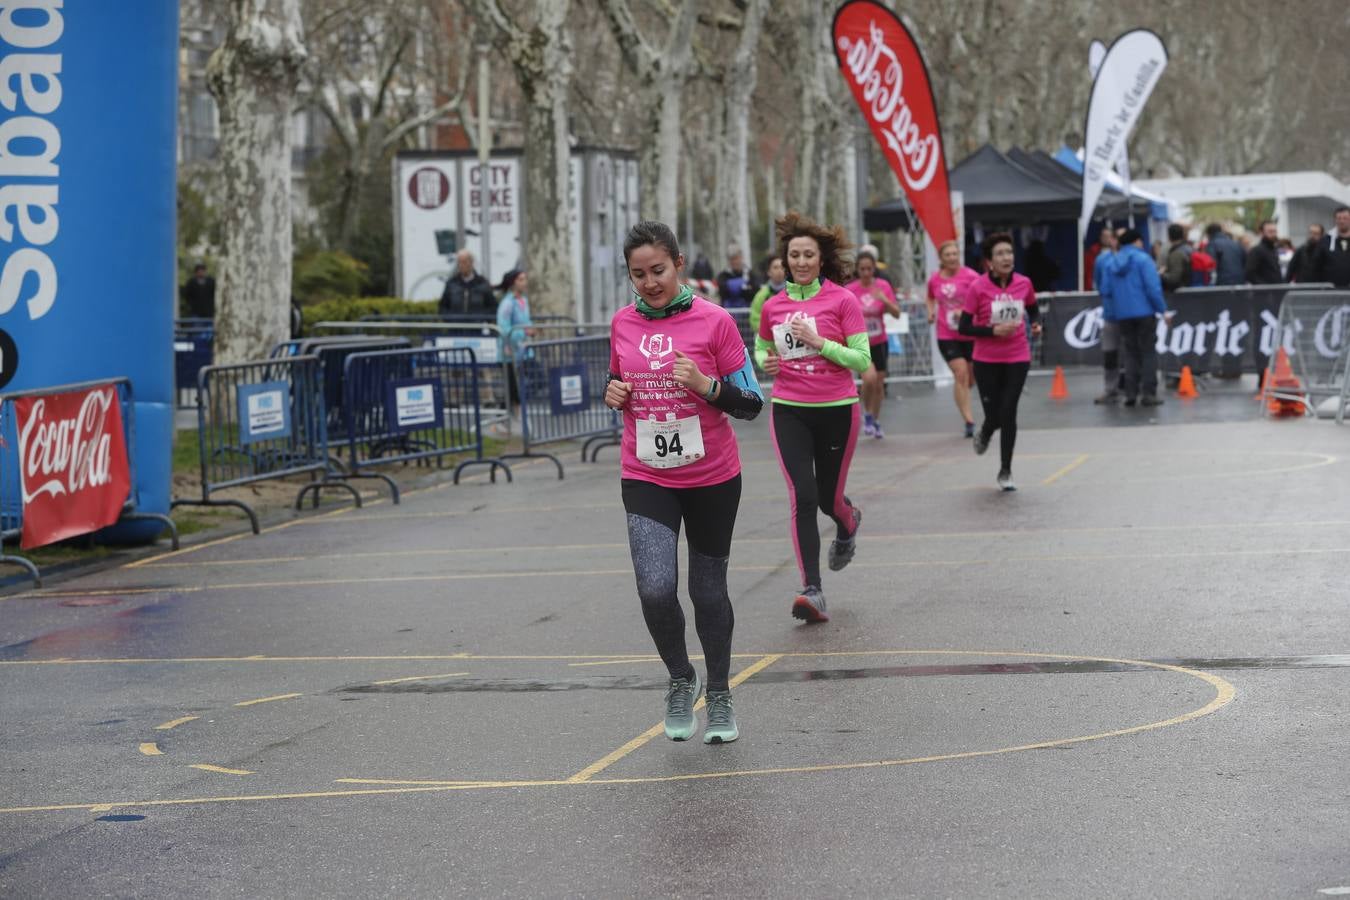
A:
[1137, 301]
[1101, 283]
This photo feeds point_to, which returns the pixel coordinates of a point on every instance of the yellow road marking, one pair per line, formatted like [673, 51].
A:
[268, 699]
[231, 538]
[207, 767]
[1224, 693]
[418, 678]
[413, 782]
[1066, 470]
[865, 538]
[174, 723]
[605, 573]
[611, 758]
[150, 748]
[620, 662]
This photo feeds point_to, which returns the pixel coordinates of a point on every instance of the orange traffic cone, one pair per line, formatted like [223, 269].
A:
[1282, 379]
[1187, 386]
[1058, 389]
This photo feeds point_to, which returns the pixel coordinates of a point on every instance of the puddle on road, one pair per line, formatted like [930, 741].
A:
[791, 676]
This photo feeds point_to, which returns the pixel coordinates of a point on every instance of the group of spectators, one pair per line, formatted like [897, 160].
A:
[1267, 258]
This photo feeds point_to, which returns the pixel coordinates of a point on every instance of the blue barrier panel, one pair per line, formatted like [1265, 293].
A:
[562, 390]
[11, 492]
[413, 405]
[193, 347]
[90, 174]
[258, 421]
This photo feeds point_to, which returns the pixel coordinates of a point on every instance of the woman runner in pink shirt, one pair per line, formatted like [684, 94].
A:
[998, 306]
[946, 299]
[812, 339]
[680, 464]
[877, 299]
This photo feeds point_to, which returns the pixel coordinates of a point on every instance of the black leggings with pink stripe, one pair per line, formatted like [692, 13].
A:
[815, 445]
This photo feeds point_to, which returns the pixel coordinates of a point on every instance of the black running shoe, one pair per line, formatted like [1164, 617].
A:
[841, 552]
[981, 442]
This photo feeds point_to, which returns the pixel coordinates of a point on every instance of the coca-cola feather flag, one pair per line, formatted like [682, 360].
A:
[883, 67]
[72, 463]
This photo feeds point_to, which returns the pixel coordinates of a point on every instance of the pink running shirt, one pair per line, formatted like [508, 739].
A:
[671, 435]
[873, 307]
[988, 304]
[805, 376]
[950, 296]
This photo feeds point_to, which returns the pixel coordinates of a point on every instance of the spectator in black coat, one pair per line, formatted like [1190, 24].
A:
[467, 293]
[1337, 266]
[199, 294]
[1311, 258]
[1263, 261]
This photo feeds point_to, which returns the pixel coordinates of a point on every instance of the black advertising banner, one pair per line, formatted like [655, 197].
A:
[1217, 330]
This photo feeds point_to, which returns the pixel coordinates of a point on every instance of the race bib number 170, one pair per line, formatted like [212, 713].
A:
[1005, 312]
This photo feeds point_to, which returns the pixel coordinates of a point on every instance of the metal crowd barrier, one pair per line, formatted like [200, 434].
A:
[332, 363]
[402, 406]
[1314, 329]
[482, 338]
[258, 421]
[11, 492]
[562, 389]
[193, 343]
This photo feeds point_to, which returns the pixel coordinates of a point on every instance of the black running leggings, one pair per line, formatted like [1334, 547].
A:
[654, 516]
[815, 444]
[1000, 387]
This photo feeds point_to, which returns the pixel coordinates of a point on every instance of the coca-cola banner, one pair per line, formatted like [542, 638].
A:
[1214, 330]
[72, 463]
[883, 67]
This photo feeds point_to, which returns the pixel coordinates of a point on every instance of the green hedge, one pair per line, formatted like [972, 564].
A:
[352, 309]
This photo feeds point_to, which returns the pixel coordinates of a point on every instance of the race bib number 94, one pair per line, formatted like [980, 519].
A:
[788, 346]
[669, 445]
[1005, 311]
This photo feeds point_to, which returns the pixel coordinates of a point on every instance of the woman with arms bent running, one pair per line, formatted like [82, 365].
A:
[677, 370]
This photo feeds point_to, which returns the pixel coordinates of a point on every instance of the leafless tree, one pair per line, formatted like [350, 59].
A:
[253, 77]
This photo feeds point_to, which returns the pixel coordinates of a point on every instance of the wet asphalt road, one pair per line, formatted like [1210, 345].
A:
[1127, 679]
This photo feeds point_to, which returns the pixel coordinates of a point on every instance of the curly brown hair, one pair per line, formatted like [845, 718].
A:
[835, 263]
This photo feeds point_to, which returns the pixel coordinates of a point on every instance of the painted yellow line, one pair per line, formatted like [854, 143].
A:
[268, 699]
[1224, 694]
[418, 678]
[229, 539]
[516, 550]
[620, 662]
[1066, 470]
[411, 782]
[207, 767]
[611, 758]
[608, 573]
[150, 748]
[174, 723]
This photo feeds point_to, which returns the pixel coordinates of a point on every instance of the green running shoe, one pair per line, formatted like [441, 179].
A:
[721, 719]
[680, 699]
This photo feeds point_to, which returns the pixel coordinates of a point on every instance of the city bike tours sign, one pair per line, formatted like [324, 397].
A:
[73, 470]
[881, 62]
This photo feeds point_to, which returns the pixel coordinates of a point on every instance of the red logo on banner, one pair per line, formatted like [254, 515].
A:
[72, 463]
[883, 68]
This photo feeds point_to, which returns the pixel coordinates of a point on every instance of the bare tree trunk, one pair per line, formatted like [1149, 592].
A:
[733, 213]
[253, 77]
[542, 58]
[661, 75]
